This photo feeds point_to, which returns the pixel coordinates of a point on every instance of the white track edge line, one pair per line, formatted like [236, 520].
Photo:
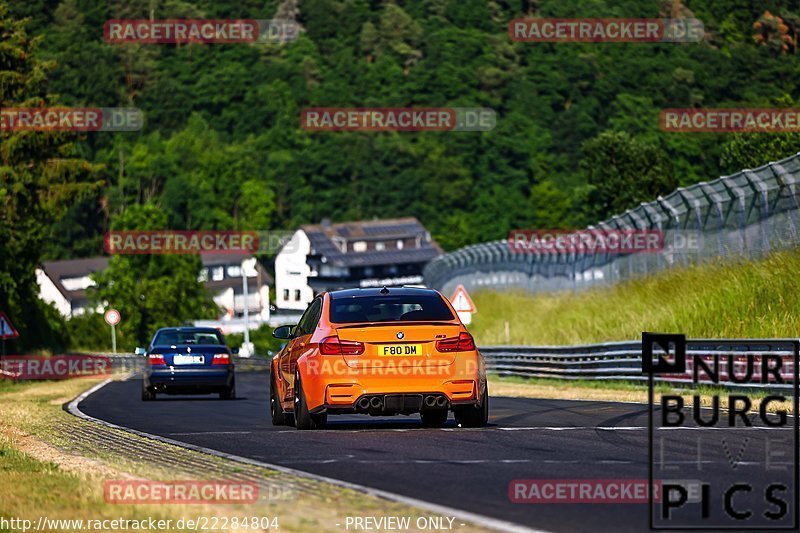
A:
[480, 520]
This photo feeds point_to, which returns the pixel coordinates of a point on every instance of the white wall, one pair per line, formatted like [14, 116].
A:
[225, 300]
[292, 273]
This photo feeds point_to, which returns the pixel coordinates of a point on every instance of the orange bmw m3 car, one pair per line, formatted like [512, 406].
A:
[389, 351]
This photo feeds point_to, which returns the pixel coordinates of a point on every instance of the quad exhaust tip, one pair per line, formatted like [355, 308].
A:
[375, 403]
[363, 404]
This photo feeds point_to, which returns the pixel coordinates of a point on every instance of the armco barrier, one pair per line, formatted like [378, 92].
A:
[605, 361]
[127, 363]
[623, 360]
[135, 363]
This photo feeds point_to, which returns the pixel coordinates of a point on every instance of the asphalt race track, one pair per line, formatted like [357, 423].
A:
[467, 469]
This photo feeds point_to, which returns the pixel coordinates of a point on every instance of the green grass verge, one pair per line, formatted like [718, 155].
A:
[733, 299]
[621, 385]
[580, 383]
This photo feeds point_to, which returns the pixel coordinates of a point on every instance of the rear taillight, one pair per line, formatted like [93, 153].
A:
[463, 343]
[156, 359]
[335, 346]
[221, 359]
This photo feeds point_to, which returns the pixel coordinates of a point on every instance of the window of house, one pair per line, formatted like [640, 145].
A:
[285, 295]
[399, 244]
[234, 271]
[203, 276]
[360, 246]
[297, 295]
[380, 246]
[217, 273]
[77, 284]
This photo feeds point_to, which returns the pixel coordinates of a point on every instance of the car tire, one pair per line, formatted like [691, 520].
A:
[147, 396]
[229, 393]
[434, 418]
[474, 416]
[279, 416]
[302, 418]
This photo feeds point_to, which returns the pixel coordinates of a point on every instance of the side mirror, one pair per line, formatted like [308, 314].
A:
[235, 351]
[283, 332]
[140, 351]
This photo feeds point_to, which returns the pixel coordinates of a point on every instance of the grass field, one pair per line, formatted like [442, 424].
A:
[617, 391]
[736, 299]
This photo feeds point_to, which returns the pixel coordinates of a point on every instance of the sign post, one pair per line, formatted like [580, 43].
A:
[112, 317]
[248, 270]
[463, 305]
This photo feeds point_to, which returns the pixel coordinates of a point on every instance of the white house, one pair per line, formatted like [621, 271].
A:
[64, 284]
[373, 253]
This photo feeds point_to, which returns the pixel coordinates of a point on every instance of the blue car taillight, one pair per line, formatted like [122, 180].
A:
[221, 359]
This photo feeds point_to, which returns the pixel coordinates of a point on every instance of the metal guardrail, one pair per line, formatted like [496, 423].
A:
[129, 363]
[747, 214]
[623, 360]
[604, 361]
[135, 363]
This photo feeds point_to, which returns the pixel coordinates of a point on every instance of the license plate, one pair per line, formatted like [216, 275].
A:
[188, 360]
[400, 349]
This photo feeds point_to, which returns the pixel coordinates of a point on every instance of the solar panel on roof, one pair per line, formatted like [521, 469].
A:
[391, 228]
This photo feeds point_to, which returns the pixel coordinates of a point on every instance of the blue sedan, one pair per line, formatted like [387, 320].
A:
[188, 361]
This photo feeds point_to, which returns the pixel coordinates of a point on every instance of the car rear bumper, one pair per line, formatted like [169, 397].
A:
[188, 380]
[400, 388]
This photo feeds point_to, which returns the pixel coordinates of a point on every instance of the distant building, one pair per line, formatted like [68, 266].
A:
[64, 284]
[373, 253]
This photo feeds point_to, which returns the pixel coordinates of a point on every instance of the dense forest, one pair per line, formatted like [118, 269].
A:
[577, 136]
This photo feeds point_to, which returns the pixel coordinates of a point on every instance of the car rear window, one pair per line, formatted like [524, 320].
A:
[406, 308]
[170, 337]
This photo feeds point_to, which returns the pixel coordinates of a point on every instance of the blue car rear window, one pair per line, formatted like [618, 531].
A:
[172, 337]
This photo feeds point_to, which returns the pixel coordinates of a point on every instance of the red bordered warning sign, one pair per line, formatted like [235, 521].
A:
[7, 330]
[461, 301]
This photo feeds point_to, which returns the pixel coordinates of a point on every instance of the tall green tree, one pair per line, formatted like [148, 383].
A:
[623, 172]
[41, 175]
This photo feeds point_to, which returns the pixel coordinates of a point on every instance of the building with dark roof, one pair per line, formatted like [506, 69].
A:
[372, 253]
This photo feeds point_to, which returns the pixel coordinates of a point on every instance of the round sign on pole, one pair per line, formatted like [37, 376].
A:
[112, 317]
